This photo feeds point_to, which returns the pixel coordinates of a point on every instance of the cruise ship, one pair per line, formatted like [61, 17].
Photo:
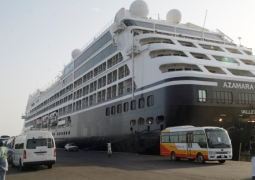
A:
[140, 75]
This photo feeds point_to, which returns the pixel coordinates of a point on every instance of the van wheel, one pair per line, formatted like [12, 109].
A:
[21, 168]
[200, 158]
[49, 166]
[222, 161]
[174, 157]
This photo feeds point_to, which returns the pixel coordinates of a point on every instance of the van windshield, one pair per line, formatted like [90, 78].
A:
[33, 143]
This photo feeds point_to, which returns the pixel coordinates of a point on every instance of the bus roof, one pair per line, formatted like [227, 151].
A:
[189, 128]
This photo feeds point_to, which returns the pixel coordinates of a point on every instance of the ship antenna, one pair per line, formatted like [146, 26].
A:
[240, 41]
[204, 25]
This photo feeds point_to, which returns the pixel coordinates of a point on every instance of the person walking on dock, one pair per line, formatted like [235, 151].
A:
[3, 160]
[109, 147]
[252, 152]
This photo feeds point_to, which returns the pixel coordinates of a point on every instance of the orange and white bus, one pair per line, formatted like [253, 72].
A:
[196, 143]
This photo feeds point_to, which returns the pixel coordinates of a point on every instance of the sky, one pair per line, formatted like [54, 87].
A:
[37, 38]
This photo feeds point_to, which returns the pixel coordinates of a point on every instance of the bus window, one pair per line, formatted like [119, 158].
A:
[165, 138]
[218, 138]
[173, 137]
[199, 137]
[182, 137]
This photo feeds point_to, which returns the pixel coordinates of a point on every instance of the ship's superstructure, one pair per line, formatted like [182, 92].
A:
[142, 75]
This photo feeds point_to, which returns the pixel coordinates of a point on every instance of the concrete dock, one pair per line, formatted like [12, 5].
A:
[93, 165]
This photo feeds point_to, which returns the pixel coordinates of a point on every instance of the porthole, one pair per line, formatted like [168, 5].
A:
[119, 108]
[140, 121]
[150, 120]
[113, 110]
[150, 100]
[141, 103]
[160, 119]
[125, 106]
[107, 112]
[132, 122]
[133, 105]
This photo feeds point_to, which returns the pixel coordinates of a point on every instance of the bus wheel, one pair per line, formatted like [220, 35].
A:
[222, 161]
[200, 158]
[174, 157]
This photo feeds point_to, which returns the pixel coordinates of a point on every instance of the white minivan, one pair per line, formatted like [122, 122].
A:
[34, 148]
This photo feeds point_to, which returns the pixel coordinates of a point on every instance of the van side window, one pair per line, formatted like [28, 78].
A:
[19, 146]
[50, 143]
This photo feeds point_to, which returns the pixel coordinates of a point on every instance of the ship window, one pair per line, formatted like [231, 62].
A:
[237, 72]
[223, 97]
[95, 60]
[199, 56]
[201, 95]
[215, 70]
[150, 120]
[160, 53]
[160, 119]
[179, 67]
[150, 100]
[132, 122]
[141, 103]
[125, 106]
[246, 98]
[165, 137]
[133, 105]
[140, 121]
[248, 62]
[187, 44]
[107, 111]
[119, 108]
[235, 51]
[225, 59]
[210, 47]
[113, 109]
[155, 40]
[248, 52]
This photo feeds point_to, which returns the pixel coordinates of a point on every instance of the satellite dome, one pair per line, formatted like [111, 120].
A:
[139, 8]
[76, 53]
[174, 16]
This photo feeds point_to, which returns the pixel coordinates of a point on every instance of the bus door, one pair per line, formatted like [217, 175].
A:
[189, 144]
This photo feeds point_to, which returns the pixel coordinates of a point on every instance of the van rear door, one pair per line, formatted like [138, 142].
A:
[36, 149]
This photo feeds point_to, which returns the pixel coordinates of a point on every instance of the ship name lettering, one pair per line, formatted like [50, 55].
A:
[237, 85]
[248, 111]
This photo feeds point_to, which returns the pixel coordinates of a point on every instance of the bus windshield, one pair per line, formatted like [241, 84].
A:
[217, 138]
